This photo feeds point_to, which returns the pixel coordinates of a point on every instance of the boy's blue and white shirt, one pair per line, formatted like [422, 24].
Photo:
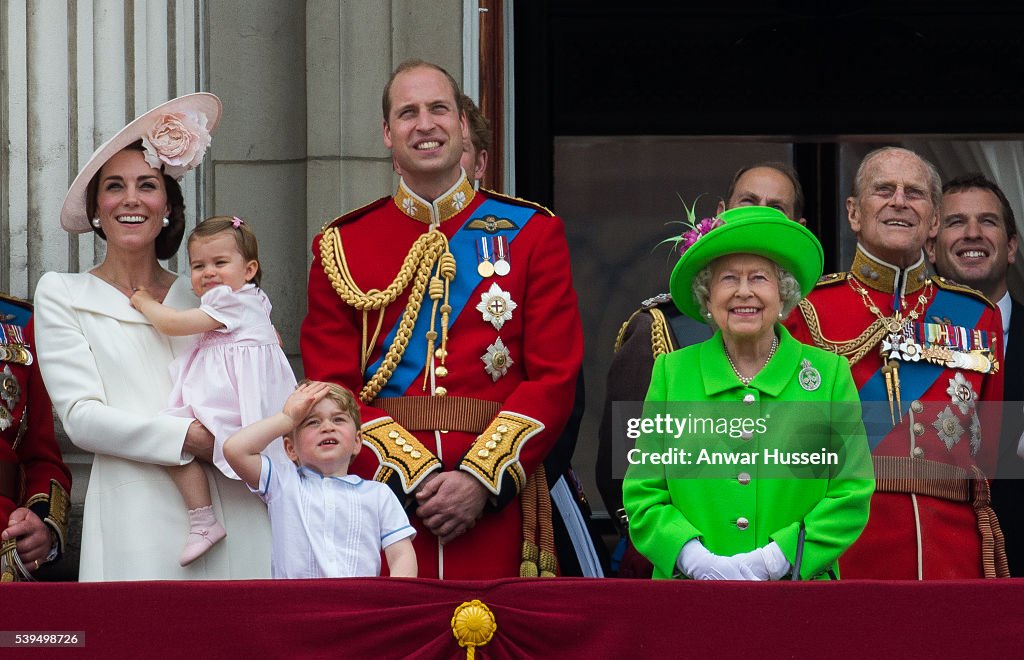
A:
[328, 526]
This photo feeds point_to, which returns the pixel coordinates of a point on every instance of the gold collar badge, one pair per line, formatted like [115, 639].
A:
[443, 208]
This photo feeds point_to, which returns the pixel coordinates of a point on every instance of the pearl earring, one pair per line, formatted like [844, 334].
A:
[96, 223]
[780, 316]
[707, 314]
[166, 222]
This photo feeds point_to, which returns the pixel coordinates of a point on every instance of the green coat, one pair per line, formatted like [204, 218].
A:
[735, 508]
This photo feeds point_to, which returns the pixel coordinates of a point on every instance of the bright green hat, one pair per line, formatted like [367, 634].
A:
[759, 230]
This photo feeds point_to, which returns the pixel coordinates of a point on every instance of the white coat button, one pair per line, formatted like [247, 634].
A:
[742, 523]
[748, 399]
[743, 478]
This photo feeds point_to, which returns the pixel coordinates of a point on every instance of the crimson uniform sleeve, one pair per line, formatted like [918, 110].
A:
[991, 395]
[47, 478]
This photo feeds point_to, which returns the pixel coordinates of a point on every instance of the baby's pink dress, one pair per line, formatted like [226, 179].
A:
[235, 375]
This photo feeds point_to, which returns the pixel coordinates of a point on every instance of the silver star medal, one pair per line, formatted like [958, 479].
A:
[10, 391]
[496, 360]
[961, 393]
[810, 378]
[948, 427]
[9, 388]
[496, 306]
[975, 433]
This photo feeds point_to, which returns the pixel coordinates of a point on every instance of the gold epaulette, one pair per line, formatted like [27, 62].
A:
[622, 330]
[950, 285]
[495, 453]
[661, 333]
[518, 201]
[355, 213]
[398, 451]
[830, 279]
[14, 300]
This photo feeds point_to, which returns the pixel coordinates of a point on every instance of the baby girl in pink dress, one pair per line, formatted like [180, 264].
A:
[235, 374]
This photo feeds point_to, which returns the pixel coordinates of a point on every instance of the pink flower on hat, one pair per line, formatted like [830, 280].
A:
[699, 229]
[177, 141]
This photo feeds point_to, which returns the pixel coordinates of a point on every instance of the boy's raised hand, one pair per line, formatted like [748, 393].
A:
[303, 399]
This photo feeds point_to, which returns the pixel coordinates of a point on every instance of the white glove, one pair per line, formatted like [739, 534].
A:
[767, 563]
[699, 563]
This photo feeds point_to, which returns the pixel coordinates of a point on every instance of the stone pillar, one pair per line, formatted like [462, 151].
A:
[257, 66]
[74, 73]
[352, 47]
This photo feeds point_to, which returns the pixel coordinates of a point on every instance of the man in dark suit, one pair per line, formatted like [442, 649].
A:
[976, 243]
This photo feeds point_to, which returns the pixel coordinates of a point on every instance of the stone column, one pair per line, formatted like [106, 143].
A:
[73, 74]
[352, 47]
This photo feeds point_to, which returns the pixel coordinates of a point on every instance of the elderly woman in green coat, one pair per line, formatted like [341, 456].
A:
[752, 461]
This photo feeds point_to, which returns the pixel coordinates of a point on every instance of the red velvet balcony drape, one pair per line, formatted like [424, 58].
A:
[535, 618]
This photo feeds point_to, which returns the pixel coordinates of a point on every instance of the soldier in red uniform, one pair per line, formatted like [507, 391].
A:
[34, 482]
[451, 312]
[924, 352]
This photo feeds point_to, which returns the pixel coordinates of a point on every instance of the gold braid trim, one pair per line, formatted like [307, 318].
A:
[852, 350]
[619, 338]
[993, 544]
[496, 451]
[661, 338]
[538, 557]
[429, 249]
[400, 451]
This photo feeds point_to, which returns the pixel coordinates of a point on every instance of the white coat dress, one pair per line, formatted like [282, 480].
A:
[106, 369]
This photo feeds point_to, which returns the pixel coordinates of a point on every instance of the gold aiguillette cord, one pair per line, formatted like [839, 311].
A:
[892, 388]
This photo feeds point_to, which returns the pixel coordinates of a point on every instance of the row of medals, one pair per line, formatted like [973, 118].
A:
[10, 390]
[492, 256]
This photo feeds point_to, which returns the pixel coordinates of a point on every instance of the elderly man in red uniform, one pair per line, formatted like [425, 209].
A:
[451, 313]
[34, 482]
[924, 352]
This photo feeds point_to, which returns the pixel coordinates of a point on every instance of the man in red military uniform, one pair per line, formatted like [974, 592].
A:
[924, 352]
[34, 482]
[451, 313]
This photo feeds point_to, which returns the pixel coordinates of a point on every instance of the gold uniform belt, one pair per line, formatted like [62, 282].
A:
[902, 474]
[447, 413]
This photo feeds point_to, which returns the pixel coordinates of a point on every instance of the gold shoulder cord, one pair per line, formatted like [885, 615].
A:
[622, 332]
[852, 350]
[429, 249]
[661, 338]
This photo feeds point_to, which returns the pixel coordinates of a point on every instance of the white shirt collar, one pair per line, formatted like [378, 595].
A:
[1005, 306]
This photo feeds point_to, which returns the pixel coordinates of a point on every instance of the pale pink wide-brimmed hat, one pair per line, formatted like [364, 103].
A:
[175, 136]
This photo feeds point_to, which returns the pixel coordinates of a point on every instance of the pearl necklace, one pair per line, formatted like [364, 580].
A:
[746, 379]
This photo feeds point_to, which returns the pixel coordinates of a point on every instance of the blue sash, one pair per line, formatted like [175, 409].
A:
[916, 378]
[467, 279]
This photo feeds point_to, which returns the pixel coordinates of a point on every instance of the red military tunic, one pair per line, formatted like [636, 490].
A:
[929, 519]
[32, 473]
[514, 344]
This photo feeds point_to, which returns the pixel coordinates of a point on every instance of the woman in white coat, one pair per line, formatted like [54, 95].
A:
[106, 367]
